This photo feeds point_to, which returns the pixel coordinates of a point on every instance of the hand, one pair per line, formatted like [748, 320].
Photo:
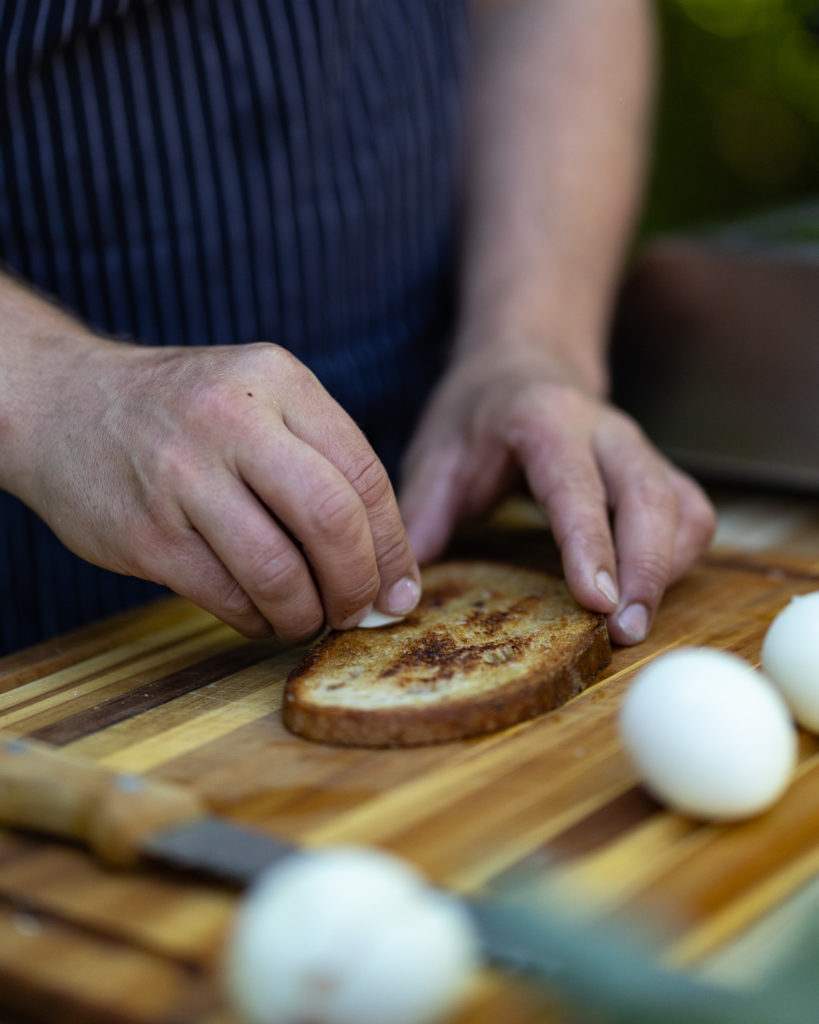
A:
[581, 457]
[228, 474]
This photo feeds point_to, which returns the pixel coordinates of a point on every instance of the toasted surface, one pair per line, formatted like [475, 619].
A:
[489, 645]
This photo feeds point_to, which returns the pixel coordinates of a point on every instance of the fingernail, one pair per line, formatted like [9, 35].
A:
[634, 622]
[353, 620]
[607, 587]
[403, 596]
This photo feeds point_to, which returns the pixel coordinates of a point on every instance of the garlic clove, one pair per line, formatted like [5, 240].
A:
[376, 619]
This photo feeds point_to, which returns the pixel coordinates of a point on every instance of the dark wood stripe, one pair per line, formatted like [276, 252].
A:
[183, 994]
[604, 826]
[152, 695]
[120, 667]
[600, 828]
[21, 903]
[81, 644]
[15, 847]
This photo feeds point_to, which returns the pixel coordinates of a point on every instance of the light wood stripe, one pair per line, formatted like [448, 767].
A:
[117, 666]
[201, 727]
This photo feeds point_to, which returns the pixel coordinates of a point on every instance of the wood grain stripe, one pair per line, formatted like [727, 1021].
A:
[44, 966]
[120, 631]
[106, 675]
[151, 695]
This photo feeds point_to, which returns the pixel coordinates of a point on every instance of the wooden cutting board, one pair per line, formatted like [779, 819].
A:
[170, 692]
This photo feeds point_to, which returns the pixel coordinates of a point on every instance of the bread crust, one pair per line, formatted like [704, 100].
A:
[489, 646]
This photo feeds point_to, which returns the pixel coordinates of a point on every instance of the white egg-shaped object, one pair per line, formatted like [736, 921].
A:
[348, 935]
[790, 657]
[708, 735]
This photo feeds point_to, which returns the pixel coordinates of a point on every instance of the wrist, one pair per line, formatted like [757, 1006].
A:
[41, 377]
[568, 354]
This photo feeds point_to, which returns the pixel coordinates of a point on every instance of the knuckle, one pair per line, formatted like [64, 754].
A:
[280, 586]
[561, 398]
[653, 492]
[574, 494]
[336, 513]
[233, 602]
[297, 629]
[274, 574]
[393, 550]
[651, 570]
[588, 542]
[210, 400]
[348, 588]
[541, 403]
[297, 379]
[360, 592]
[352, 600]
[369, 479]
[620, 439]
[172, 469]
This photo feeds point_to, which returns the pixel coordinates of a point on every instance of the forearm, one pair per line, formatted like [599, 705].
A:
[556, 137]
[39, 347]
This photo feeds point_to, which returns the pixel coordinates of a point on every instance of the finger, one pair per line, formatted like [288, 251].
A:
[565, 480]
[325, 515]
[192, 570]
[646, 514]
[263, 563]
[322, 425]
[697, 524]
[488, 473]
[430, 498]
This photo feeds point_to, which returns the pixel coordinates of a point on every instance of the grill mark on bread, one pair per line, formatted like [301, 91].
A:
[495, 621]
[445, 655]
[441, 594]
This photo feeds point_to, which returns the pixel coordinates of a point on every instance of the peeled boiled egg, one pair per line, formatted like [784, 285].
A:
[348, 935]
[708, 735]
[790, 657]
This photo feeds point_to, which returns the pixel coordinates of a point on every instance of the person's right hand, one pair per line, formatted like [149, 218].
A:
[227, 474]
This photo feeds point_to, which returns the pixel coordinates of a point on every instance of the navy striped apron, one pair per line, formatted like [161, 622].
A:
[223, 171]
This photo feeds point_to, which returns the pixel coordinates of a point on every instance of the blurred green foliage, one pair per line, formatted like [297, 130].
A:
[737, 124]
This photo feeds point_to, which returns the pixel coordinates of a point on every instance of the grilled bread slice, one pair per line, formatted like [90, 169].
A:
[489, 645]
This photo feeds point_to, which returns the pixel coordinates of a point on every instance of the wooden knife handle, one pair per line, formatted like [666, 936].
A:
[52, 792]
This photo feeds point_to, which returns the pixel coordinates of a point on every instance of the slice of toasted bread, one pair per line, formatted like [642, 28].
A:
[489, 645]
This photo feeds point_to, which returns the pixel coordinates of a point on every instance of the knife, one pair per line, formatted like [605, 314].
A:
[125, 820]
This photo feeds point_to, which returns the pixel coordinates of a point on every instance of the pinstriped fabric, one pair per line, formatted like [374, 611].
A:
[222, 171]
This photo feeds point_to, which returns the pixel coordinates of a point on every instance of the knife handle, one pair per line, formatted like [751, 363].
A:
[51, 792]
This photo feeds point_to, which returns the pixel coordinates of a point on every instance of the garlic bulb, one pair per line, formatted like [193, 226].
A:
[348, 936]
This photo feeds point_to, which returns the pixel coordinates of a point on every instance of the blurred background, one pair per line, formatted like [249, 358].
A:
[716, 344]
[738, 119]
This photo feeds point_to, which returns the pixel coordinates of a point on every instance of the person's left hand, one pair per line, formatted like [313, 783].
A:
[493, 416]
